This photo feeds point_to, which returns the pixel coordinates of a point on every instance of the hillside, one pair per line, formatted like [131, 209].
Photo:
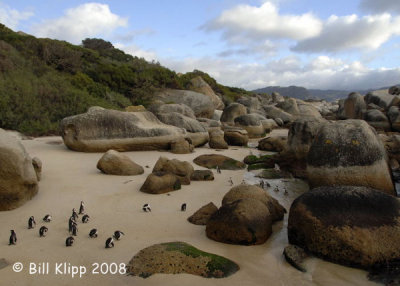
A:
[44, 80]
[304, 93]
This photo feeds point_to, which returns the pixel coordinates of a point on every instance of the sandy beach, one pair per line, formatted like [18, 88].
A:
[115, 203]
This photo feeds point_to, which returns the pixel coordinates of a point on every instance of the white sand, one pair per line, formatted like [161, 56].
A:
[115, 203]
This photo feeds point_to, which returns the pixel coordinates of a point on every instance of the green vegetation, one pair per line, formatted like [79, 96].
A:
[217, 266]
[44, 80]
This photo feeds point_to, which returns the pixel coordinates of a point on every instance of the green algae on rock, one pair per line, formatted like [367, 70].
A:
[179, 257]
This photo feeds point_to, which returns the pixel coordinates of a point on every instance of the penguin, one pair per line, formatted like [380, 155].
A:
[230, 181]
[109, 242]
[276, 167]
[74, 229]
[43, 231]
[118, 234]
[262, 184]
[70, 240]
[13, 238]
[183, 207]
[85, 218]
[268, 185]
[70, 223]
[31, 222]
[286, 192]
[276, 189]
[47, 218]
[82, 208]
[93, 233]
[146, 208]
[218, 170]
[74, 214]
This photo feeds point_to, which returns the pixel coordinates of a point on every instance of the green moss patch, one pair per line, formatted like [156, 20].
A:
[180, 257]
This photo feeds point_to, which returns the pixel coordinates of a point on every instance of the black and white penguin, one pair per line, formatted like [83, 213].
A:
[43, 231]
[31, 222]
[74, 229]
[85, 218]
[47, 218]
[118, 234]
[70, 240]
[82, 208]
[109, 242]
[218, 170]
[70, 223]
[13, 238]
[74, 214]
[230, 181]
[262, 184]
[93, 233]
[146, 208]
[183, 207]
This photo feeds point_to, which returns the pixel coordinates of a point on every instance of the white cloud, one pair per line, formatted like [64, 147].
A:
[11, 17]
[380, 6]
[264, 21]
[136, 51]
[84, 21]
[352, 32]
[320, 72]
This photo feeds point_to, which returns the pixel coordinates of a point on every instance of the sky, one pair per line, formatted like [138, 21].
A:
[330, 44]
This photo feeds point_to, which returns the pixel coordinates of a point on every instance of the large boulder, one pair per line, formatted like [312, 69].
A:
[179, 257]
[379, 97]
[100, 130]
[301, 135]
[181, 108]
[18, 179]
[252, 104]
[232, 111]
[236, 136]
[269, 125]
[115, 163]
[37, 165]
[348, 152]
[211, 161]
[245, 191]
[202, 215]
[160, 183]
[354, 106]
[289, 106]
[273, 144]
[182, 146]
[377, 119]
[182, 169]
[252, 124]
[201, 104]
[307, 110]
[196, 131]
[394, 90]
[275, 113]
[217, 140]
[394, 117]
[244, 221]
[198, 84]
[355, 226]
[202, 175]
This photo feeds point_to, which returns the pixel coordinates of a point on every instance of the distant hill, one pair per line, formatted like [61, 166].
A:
[304, 93]
[45, 80]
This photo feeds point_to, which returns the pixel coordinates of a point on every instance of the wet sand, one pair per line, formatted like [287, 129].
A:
[115, 203]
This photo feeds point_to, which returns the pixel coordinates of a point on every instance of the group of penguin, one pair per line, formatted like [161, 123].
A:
[73, 226]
